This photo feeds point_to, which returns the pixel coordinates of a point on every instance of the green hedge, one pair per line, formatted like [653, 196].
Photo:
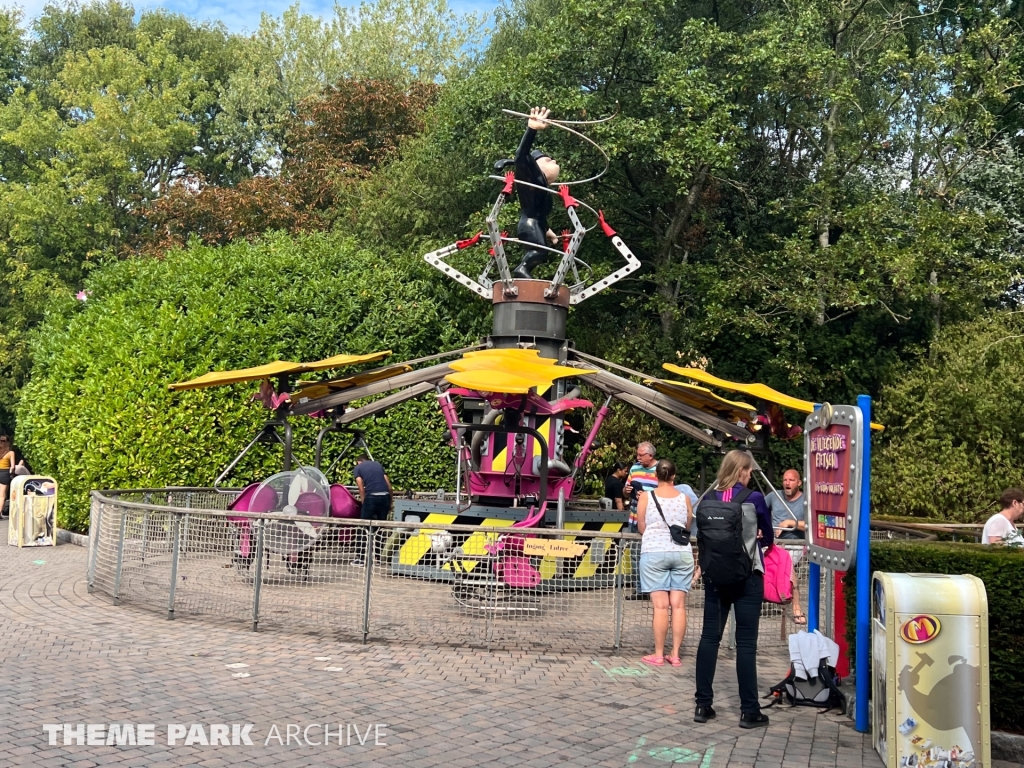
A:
[97, 412]
[1002, 570]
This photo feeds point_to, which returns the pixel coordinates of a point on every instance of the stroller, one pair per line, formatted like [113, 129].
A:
[810, 683]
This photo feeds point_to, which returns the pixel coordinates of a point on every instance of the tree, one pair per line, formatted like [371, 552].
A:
[337, 139]
[293, 58]
[789, 214]
[106, 116]
[954, 439]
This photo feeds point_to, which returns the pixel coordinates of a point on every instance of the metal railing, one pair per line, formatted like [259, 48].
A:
[179, 551]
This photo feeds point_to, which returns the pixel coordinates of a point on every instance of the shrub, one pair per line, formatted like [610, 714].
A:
[97, 412]
[1002, 570]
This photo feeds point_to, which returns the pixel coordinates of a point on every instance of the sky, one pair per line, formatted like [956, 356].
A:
[243, 17]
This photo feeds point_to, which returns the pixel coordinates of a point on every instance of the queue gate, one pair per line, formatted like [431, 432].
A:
[929, 640]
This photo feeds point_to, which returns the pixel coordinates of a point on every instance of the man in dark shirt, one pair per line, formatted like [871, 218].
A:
[374, 492]
[374, 489]
[534, 167]
[614, 485]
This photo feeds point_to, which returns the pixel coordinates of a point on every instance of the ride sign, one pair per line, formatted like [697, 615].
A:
[832, 481]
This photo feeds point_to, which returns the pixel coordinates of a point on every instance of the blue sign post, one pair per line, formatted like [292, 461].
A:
[863, 568]
[813, 596]
[837, 474]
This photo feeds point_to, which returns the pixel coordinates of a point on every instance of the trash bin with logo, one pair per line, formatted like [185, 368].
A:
[33, 520]
[929, 658]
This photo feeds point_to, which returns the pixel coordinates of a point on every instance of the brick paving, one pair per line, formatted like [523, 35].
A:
[70, 657]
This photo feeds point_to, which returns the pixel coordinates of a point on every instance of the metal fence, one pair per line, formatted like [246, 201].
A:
[179, 551]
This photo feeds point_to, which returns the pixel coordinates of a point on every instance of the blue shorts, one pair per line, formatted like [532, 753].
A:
[666, 571]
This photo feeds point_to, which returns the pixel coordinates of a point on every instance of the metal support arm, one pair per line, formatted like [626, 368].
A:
[268, 433]
[433, 374]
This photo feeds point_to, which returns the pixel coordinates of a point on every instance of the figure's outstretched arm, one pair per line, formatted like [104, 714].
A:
[537, 122]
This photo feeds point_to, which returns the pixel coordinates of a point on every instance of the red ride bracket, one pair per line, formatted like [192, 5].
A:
[490, 251]
[462, 244]
[608, 231]
[567, 199]
[566, 237]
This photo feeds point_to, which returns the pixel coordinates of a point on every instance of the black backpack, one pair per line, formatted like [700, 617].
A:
[721, 545]
[820, 691]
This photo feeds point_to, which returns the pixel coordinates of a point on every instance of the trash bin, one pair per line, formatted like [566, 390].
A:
[929, 640]
[33, 520]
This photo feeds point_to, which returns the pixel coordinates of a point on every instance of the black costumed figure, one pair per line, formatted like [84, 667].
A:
[533, 167]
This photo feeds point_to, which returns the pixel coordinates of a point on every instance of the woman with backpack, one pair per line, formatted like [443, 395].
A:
[666, 559]
[731, 522]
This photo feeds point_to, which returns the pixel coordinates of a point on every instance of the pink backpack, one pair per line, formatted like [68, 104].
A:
[778, 575]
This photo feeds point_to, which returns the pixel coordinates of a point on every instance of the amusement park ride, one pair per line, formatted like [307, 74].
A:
[505, 401]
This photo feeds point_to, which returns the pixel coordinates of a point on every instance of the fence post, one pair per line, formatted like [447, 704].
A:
[176, 541]
[257, 576]
[184, 534]
[145, 534]
[120, 557]
[620, 581]
[368, 560]
[95, 515]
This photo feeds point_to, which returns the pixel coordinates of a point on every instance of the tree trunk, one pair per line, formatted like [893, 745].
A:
[666, 291]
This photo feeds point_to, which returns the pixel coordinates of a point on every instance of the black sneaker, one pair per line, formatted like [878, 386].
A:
[759, 720]
[703, 714]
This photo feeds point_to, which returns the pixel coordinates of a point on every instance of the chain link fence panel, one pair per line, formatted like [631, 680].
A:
[182, 551]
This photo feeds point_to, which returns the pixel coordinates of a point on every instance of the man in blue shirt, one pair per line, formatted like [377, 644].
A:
[374, 492]
[788, 508]
[789, 519]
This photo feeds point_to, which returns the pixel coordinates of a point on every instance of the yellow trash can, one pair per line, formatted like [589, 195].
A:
[33, 520]
[929, 658]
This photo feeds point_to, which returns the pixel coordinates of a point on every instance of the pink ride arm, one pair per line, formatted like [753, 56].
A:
[601, 414]
[531, 520]
[451, 418]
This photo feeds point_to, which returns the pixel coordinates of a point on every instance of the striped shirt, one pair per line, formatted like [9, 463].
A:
[642, 479]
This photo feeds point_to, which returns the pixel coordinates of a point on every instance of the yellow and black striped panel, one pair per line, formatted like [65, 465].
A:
[417, 546]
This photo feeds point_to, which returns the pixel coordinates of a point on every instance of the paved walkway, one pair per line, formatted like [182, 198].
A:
[70, 657]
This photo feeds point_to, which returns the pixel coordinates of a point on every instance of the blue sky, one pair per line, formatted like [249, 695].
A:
[240, 16]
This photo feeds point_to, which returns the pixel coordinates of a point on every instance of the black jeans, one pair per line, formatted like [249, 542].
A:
[373, 508]
[746, 597]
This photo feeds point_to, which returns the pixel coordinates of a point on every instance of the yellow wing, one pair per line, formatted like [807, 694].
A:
[760, 391]
[276, 368]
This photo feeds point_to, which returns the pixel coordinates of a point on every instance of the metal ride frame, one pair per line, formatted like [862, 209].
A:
[431, 538]
[530, 486]
[578, 291]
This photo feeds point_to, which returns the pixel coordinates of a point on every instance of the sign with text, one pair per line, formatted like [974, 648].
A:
[553, 548]
[833, 457]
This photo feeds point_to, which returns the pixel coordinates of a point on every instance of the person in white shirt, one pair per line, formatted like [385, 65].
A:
[1000, 528]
